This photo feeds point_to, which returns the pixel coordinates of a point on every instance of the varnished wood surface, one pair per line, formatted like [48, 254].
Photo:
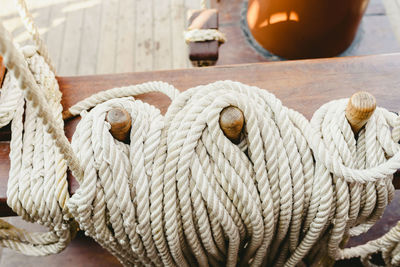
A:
[231, 120]
[120, 122]
[359, 109]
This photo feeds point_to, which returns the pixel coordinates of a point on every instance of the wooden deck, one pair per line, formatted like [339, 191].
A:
[108, 36]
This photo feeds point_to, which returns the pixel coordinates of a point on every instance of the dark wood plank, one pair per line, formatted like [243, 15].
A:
[203, 53]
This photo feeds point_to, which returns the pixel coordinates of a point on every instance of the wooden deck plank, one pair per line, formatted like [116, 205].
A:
[55, 35]
[116, 55]
[70, 51]
[90, 38]
[393, 13]
[108, 35]
[162, 34]
[179, 56]
[125, 53]
[144, 42]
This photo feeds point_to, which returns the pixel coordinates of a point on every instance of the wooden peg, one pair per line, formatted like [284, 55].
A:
[2, 71]
[360, 108]
[203, 53]
[120, 122]
[231, 121]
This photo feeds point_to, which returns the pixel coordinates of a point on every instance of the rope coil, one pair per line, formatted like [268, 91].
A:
[181, 193]
[272, 190]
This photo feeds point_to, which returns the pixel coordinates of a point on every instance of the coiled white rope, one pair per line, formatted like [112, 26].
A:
[181, 193]
[181, 188]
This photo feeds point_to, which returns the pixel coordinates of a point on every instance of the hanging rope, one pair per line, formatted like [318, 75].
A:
[37, 187]
[181, 193]
[31, 27]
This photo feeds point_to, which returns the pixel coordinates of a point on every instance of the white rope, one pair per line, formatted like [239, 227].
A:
[201, 35]
[37, 187]
[180, 193]
[203, 4]
[31, 27]
[181, 189]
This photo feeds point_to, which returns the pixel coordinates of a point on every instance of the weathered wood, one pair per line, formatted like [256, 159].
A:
[203, 53]
[69, 54]
[360, 108]
[120, 122]
[231, 121]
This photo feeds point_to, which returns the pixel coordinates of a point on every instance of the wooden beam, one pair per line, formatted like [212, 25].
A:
[203, 53]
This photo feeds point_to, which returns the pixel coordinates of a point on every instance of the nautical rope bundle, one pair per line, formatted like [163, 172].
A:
[180, 193]
[181, 189]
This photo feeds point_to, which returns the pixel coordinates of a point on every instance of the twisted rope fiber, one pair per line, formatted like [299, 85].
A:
[36, 165]
[31, 27]
[37, 188]
[180, 188]
[201, 35]
[181, 193]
